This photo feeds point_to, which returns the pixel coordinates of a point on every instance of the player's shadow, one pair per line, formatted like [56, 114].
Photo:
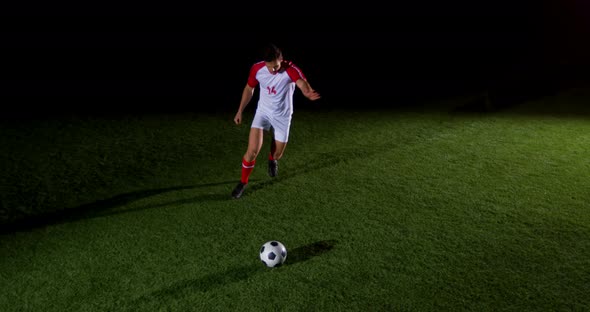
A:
[220, 279]
[107, 207]
[323, 160]
[317, 162]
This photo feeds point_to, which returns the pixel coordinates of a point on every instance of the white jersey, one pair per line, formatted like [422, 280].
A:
[276, 90]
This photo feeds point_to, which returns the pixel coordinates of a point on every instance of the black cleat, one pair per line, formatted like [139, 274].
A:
[237, 192]
[273, 168]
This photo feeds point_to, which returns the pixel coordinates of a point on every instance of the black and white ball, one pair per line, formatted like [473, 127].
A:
[273, 254]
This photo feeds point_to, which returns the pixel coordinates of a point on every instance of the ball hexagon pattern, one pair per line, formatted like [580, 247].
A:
[273, 254]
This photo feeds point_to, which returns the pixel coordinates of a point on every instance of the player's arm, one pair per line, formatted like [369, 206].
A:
[307, 90]
[246, 97]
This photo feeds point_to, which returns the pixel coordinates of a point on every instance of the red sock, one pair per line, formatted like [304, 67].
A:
[247, 167]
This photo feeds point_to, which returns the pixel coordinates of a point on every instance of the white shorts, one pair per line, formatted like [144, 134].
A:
[280, 125]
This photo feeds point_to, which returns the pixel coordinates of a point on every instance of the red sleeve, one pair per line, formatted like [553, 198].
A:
[294, 72]
[252, 82]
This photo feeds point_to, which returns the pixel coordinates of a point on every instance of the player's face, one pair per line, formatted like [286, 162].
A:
[274, 66]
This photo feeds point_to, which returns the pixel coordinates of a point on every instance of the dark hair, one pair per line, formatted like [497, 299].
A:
[272, 52]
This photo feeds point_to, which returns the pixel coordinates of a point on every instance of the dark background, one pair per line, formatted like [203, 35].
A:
[109, 60]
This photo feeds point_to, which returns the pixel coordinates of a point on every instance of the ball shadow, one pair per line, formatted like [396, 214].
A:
[307, 252]
[220, 279]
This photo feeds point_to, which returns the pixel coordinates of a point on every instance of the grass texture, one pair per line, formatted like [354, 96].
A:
[382, 210]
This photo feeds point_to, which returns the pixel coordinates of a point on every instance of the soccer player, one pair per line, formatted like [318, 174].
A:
[277, 79]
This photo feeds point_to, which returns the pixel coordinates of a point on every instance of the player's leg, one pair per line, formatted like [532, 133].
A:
[278, 144]
[260, 123]
[279, 150]
[254, 144]
[249, 159]
[272, 163]
[273, 145]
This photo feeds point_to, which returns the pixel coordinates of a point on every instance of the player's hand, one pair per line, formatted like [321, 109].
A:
[312, 95]
[238, 118]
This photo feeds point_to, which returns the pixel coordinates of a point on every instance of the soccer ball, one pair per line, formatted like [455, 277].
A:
[273, 254]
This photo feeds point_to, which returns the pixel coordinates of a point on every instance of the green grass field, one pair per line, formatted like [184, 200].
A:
[380, 210]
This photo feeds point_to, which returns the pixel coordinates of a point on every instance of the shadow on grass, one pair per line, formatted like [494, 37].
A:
[220, 279]
[307, 252]
[106, 207]
[322, 161]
